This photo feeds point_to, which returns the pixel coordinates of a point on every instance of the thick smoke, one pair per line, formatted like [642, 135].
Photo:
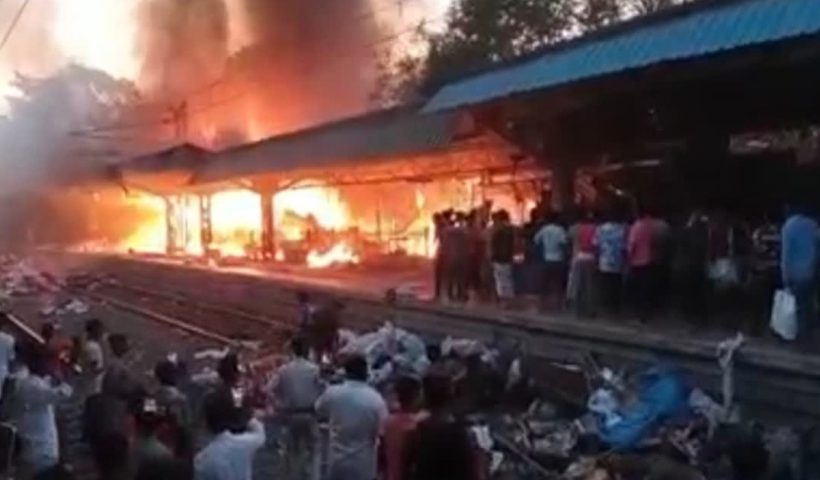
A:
[181, 43]
[39, 134]
[320, 50]
[305, 62]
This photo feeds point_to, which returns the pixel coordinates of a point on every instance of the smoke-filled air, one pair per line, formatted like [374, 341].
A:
[89, 82]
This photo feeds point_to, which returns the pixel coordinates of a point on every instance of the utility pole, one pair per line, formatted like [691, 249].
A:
[179, 117]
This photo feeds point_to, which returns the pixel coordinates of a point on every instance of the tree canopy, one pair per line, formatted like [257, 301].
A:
[479, 33]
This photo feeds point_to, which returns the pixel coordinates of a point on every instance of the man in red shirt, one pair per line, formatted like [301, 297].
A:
[639, 248]
[400, 426]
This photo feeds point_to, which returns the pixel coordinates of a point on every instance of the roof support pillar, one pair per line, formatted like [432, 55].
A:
[172, 223]
[268, 226]
[206, 232]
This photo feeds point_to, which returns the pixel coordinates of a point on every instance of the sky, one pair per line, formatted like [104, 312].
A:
[100, 33]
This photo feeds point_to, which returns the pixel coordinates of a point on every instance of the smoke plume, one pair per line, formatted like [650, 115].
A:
[304, 62]
[181, 43]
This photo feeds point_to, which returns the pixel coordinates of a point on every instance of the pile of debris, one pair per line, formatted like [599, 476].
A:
[587, 422]
[20, 278]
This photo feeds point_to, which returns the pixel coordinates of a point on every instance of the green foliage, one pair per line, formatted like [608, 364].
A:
[480, 33]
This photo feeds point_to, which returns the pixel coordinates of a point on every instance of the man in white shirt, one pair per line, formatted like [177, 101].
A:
[6, 350]
[35, 397]
[553, 240]
[356, 413]
[296, 388]
[93, 359]
[228, 456]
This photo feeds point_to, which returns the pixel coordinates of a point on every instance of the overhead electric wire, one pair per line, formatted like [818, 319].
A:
[13, 24]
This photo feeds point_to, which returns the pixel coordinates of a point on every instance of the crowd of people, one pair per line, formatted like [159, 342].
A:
[712, 266]
[169, 428]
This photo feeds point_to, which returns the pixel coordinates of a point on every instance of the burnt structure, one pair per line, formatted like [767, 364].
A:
[672, 88]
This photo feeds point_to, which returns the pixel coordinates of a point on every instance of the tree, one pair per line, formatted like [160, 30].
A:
[594, 14]
[644, 7]
[480, 33]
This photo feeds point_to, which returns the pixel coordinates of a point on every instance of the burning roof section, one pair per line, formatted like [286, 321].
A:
[373, 138]
[167, 170]
[398, 144]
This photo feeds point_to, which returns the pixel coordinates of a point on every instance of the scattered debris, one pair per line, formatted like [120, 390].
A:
[212, 353]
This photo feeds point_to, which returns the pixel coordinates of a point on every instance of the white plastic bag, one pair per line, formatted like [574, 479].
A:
[784, 315]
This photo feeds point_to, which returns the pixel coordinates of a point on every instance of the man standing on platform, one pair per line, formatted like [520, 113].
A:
[798, 264]
[502, 248]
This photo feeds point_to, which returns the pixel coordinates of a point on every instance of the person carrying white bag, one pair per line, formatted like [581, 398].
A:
[798, 264]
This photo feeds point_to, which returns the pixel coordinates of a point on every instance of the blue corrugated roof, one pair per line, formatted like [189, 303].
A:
[694, 33]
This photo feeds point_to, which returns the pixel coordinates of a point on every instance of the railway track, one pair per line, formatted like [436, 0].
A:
[218, 322]
[770, 379]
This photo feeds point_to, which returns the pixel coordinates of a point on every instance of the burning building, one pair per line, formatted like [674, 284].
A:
[343, 192]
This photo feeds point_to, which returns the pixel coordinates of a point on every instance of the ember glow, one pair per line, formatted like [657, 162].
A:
[340, 253]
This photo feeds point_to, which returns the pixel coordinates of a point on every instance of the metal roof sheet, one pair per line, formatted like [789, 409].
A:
[695, 32]
[384, 134]
[185, 156]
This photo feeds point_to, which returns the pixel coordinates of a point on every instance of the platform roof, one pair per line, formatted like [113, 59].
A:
[696, 30]
[167, 170]
[367, 139]
[185, 156]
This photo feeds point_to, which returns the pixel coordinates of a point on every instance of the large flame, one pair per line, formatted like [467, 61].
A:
[322, 225]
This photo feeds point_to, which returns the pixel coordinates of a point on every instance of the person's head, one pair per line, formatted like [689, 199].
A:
[302, 298]
[390, 296]
[47, 331]
[221, 412]
[5, 321]
[356, 368]
[166, 373]
[94, 329]
[228, 369]
[503, 217]
[298, 347]
[408, 391]
[118, 343]
[437, 392]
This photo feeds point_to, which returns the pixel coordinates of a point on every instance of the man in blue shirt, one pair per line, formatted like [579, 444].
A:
[798, 264]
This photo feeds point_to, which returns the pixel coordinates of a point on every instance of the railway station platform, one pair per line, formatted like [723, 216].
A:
[767, 374]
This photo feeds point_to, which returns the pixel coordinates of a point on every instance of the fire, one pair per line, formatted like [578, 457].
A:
[323, 204]
[340, 253]
[149, 237]
[321, 225]
[236, 222]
